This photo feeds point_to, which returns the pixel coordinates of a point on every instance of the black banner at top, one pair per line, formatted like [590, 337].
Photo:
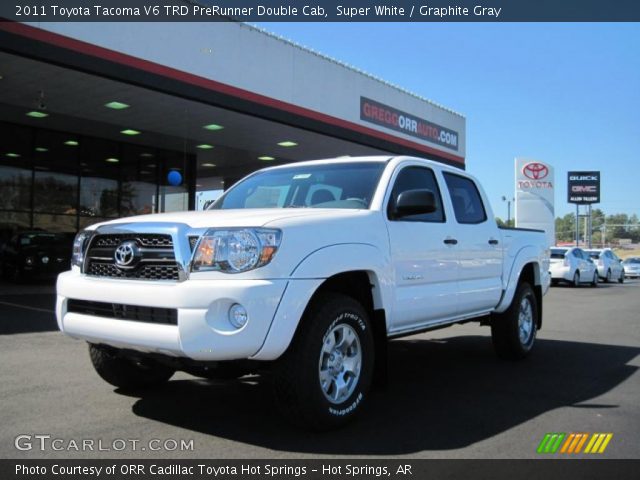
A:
[320, 10]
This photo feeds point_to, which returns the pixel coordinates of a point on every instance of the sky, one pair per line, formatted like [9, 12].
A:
[566, 94]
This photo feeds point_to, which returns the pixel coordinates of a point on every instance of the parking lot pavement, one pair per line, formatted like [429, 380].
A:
[448, 396]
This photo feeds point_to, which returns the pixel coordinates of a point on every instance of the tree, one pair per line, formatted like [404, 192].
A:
[566, 228]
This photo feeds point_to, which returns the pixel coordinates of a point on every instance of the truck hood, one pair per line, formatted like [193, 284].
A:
[249, 217]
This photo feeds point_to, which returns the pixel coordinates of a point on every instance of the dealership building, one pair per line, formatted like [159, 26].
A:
[95, 116]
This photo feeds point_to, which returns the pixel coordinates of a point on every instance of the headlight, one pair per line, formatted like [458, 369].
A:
[79, 247]
[236, 250]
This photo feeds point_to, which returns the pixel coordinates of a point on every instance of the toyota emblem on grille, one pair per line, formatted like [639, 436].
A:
[127, 254]
[535, 171]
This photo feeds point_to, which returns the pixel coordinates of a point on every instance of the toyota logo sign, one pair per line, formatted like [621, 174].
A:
[127, 254]
[535, 171]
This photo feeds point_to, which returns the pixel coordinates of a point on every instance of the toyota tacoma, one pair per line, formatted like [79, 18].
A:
[303, 270]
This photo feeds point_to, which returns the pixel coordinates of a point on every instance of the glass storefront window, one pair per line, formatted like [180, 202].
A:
[98, 197]
[15, 185]
[55, 223]
[55, 192]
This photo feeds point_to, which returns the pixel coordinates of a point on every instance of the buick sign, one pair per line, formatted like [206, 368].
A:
[583, 187]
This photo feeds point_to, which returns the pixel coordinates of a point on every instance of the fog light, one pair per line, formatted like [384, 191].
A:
[29, 261]
[45, 260]
[238, 315]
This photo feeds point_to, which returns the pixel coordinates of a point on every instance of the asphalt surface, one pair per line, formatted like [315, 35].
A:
[448, 397]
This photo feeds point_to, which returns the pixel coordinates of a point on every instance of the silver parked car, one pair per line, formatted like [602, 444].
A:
[631, 267]
[610, 267]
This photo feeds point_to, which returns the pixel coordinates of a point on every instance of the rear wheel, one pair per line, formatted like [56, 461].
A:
[127, 373]
[321, 382]
[514, 331]
[576, 279]
[594, 281]
[607, 279]
[621, 279]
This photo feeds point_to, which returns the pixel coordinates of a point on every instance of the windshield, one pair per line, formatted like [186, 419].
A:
[333, 185]
[38, 238]
[593, 254]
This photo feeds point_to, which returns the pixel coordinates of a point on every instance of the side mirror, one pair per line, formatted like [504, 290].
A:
[415, 202]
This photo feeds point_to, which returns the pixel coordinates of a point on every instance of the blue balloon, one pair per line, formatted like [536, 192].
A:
[174, 178]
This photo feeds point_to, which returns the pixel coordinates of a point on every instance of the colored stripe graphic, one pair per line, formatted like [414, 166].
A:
[573, 443]
[551, 442]
[598, 443]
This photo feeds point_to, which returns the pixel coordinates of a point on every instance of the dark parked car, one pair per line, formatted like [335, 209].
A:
[35, 254]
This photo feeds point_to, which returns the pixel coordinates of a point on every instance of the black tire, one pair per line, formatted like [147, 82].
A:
[576, 279]
[594, 282]
[554, 283]
[125, 373]
[607, 279]
[621, 279]
[297, 375]
[508, 343]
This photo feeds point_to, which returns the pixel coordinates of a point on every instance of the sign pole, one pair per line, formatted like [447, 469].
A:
[590, 225]
[577, 225]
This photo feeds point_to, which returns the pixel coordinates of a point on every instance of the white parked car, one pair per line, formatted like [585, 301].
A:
[573, 265]
[631, 267]
[609, 265]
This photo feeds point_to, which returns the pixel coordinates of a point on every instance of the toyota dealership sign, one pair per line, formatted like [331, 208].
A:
[535, 196]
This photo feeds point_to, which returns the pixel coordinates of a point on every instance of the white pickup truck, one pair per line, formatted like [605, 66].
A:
[305, 271]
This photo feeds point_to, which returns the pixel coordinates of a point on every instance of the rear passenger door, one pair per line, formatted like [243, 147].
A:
[425, 267]
[478, 247]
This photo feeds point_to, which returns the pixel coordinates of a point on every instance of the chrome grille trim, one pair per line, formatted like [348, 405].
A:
[177, 257]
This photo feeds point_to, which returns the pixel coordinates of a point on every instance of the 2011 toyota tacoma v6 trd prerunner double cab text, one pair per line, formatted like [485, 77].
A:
[304, 270]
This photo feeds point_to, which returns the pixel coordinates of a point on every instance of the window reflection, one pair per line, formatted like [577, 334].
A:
[60, 181]
[15, 185]
[98, 197]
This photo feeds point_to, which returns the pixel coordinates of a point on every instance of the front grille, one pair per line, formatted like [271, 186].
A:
[166, 316]
[145, 272]
[143, 239]
[157, 258]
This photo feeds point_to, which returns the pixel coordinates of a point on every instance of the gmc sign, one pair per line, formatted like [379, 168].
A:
[583, 187]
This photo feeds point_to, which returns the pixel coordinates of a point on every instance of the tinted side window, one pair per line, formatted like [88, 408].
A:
[465, 198]
[414, 178]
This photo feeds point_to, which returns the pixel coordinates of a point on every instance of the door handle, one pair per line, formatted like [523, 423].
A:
[493, 241]
[450, 241]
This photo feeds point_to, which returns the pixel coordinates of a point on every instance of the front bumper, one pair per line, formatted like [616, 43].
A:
[631, 273]
[203, 331]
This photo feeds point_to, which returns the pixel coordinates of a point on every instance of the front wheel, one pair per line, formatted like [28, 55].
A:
[621, 279]
[322, 380]
[514, 331]
[594, 280]
[126, 373]
[607, 279]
